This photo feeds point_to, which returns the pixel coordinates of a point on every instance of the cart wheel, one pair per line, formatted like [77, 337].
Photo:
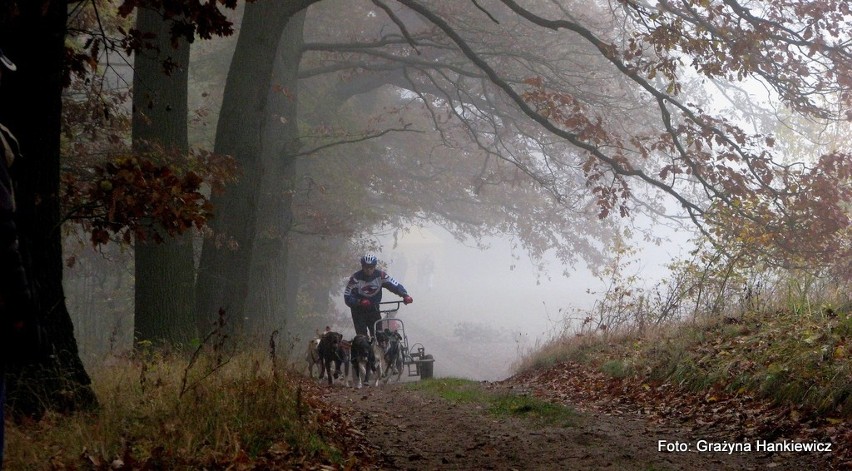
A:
[426, 366]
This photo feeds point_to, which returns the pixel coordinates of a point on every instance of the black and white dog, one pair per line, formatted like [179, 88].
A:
[333, 349]
[362, 364]
[387, 351]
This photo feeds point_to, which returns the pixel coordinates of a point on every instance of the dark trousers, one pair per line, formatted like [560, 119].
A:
[365, 320]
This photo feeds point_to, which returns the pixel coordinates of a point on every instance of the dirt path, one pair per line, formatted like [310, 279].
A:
[418, 431]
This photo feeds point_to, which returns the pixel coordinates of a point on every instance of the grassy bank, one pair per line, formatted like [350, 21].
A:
[785, 356]
[170, 413]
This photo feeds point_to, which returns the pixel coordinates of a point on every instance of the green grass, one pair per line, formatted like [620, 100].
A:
[499, 404]
[616, 368]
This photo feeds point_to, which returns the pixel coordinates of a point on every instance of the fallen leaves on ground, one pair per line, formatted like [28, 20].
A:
[714, 413]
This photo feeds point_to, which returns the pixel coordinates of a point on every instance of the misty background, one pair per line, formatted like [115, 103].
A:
[481, 300]
[479, 308]
[489, 222]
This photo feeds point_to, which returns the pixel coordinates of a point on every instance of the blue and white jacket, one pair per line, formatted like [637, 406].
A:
[361, 287]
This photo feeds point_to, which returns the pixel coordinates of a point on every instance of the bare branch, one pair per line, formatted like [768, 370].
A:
[398, 23]
[351, 141]
[573, 138]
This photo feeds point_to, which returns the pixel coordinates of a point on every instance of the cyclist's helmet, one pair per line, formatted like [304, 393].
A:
[369, 260]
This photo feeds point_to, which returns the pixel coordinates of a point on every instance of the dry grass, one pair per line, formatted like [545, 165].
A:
[789, 355]
[162, 413]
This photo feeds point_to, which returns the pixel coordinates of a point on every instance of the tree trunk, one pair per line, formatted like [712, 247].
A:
[165, 273]
[31, 107]
[223, 275]
[267, 293]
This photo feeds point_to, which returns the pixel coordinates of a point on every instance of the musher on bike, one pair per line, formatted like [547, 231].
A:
[363, 294]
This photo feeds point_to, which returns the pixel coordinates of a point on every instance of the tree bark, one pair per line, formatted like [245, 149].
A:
[267, 293]
[31, 101]
[224, 269]
[165, 272]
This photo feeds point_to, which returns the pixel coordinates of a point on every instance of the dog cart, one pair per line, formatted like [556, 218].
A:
[400, 355]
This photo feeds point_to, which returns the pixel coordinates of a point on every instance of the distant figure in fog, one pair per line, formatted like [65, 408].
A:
[363, 294]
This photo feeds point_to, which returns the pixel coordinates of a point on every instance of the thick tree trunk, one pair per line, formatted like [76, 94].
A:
[31, 105]
[165, 273]
[223, 275]
[267, 293]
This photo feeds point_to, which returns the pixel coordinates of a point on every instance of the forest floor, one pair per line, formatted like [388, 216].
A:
[399, 427]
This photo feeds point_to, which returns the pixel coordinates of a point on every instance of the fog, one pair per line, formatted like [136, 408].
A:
[478, 311]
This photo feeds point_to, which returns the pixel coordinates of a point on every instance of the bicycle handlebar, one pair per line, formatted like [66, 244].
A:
[394, 309]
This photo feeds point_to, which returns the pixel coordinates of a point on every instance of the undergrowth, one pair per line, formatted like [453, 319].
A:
[797, 355]
[724, 320]
[244, 410]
